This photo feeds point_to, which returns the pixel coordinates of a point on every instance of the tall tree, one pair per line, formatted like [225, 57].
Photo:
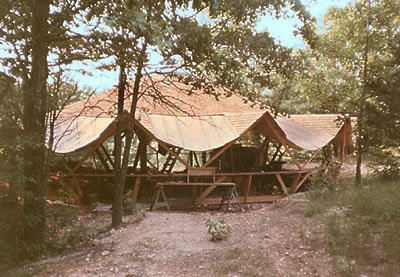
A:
[34, 115]
[29, 31]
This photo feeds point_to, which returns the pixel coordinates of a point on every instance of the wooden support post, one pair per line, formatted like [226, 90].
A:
[136, 189]
[294, 183]
[282, 183]
[137, 156]
[246, 194]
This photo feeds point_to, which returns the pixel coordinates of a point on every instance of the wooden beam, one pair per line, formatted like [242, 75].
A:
[219, 152]
[250, 199]
[172, 153]
[278, 147]
[196, 159]
[152, 165]
[108, 156]
[300, 183]
[312, 157]
[246, 194]
[85, 157]
[294, 183]
[94, 147]
[102, 160]
[293, 157]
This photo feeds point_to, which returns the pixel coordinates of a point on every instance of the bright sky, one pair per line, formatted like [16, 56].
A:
[281, 29]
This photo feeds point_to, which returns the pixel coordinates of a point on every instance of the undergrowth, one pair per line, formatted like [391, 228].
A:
[361, 226]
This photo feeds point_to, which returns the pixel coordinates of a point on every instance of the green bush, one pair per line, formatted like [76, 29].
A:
[218, 229]
[385, 163]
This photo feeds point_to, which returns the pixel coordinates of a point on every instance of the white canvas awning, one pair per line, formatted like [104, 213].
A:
[194, 133]
[301, 136]
[79, 132]
[200, 133]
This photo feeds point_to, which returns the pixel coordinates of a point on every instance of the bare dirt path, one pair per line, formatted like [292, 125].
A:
[267, 240]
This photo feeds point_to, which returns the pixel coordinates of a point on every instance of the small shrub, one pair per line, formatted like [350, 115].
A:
[386, 164]
[218, 229]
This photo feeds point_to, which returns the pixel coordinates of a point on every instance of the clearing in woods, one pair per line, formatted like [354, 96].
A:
[267, 240]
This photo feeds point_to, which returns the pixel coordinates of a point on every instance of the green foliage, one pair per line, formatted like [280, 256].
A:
[219, 229]
[362, 234]
[385, 163]
[322, 193]
[353, 69]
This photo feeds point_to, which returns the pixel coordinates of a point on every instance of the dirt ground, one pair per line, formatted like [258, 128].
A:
[267, 240]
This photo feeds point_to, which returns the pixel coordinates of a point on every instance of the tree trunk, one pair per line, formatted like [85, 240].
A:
[119, 181]
[359, 162]
[361, 138]
[120, 173]
[34, 133]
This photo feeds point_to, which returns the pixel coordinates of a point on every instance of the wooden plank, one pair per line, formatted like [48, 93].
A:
[201, 171]
[193, 184]
[232, 159]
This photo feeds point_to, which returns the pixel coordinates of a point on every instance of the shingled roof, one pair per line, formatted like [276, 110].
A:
[174, 113]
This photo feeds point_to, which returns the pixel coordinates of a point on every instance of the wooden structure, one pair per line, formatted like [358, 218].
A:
[248, 146]
[230, 194]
